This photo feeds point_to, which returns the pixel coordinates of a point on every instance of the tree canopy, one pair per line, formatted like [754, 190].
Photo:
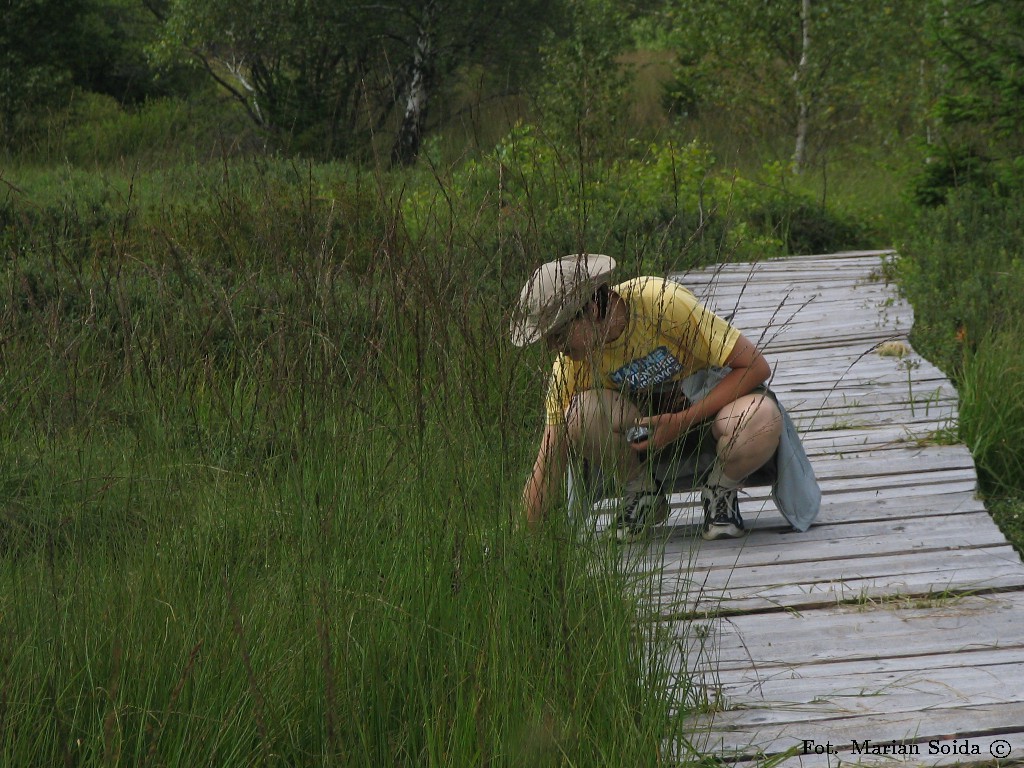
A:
[328, 74]
[811, 67]
[344, 78]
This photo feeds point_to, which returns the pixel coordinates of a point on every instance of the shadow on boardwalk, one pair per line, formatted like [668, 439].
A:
[896, 624]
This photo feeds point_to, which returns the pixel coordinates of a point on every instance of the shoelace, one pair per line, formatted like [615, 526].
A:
[723, 511]
[631, 514]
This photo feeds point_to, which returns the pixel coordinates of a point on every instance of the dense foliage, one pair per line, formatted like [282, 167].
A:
[340, 79]
[259, 467]
[261, 435]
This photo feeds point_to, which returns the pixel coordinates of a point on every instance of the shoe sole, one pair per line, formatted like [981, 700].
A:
[723, 532]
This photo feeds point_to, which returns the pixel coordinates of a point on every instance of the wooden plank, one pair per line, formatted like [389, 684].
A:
[944, 683]
[904, 398]
[818, 307]
[894, 437]
[865, 372]
[926, 758]
[797, 277]
[868, 695]
[861, 265]
[849, 464]
[839, 504]
[834, 415]
[969, 723]
[834, 418]
[836, 315]
[790, 299]
[767, 273]
[762, 547]
[700, 600]
[794, 381]
[838, 353]
[895, 513]
[765, 520]
[875, 486]
[848, 633]
[863, 673]
[793, 576]
[950, 493]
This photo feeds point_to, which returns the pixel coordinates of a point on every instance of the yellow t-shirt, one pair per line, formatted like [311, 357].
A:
[668, 336]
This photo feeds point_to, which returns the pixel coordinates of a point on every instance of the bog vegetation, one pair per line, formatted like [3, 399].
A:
[262, 437]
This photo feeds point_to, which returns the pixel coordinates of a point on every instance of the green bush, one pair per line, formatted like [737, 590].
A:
[949, 170]
[778, 209]
[992, 409]
[97, 131]
[668, 206]
[962, 270]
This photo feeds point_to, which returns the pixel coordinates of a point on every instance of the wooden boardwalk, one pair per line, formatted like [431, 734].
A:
[898, 619]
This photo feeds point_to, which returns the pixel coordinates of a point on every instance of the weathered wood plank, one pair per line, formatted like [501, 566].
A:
[765, 546]
[895, 513]
[795, 641]
[974, 724]
[949, 494]
[966, 568]
[862, 673]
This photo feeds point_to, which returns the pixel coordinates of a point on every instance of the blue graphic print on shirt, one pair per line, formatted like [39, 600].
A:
[655, 368]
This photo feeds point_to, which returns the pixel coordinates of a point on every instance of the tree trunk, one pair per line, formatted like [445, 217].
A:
[803, 100]
[414, 119]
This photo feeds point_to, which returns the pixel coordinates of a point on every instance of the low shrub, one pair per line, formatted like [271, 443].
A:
[97, 131]
[962, 270]
[992, 409]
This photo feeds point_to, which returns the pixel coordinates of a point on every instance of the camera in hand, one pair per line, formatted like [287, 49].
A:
[637, 434]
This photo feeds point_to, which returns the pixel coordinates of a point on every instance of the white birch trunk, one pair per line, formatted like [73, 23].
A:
[803, 100]
[414, 118]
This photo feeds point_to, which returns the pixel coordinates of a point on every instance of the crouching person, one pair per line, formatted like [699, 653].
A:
[652, 393]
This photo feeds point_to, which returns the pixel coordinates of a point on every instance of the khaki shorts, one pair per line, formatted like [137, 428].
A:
[680, 467]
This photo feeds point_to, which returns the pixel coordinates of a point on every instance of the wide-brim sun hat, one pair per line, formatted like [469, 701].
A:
[555, 292]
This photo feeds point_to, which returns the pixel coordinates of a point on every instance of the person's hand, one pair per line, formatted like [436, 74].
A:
[664, 428]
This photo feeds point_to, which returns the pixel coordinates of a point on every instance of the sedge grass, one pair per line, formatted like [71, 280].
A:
[262, 516]
[363, 604]
[992, 413]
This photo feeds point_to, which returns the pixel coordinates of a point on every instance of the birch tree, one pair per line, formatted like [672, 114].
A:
[803, 98]
[808, 68]
[327, 75]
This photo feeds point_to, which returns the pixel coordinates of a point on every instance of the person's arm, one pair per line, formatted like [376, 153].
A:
[548, 473]
[749, 370]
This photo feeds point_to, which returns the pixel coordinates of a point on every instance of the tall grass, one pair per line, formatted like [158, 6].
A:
[992, 410]
[263, 441]
[262, 444]
[963, 273]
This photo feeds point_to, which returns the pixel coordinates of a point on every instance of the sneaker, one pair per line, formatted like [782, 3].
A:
[641, 510]
[721, 514]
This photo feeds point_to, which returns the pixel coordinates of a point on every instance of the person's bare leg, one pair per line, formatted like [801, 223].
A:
[746, 433]
[597, 421]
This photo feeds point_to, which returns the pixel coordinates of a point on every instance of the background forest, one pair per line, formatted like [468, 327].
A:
[261, 432]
